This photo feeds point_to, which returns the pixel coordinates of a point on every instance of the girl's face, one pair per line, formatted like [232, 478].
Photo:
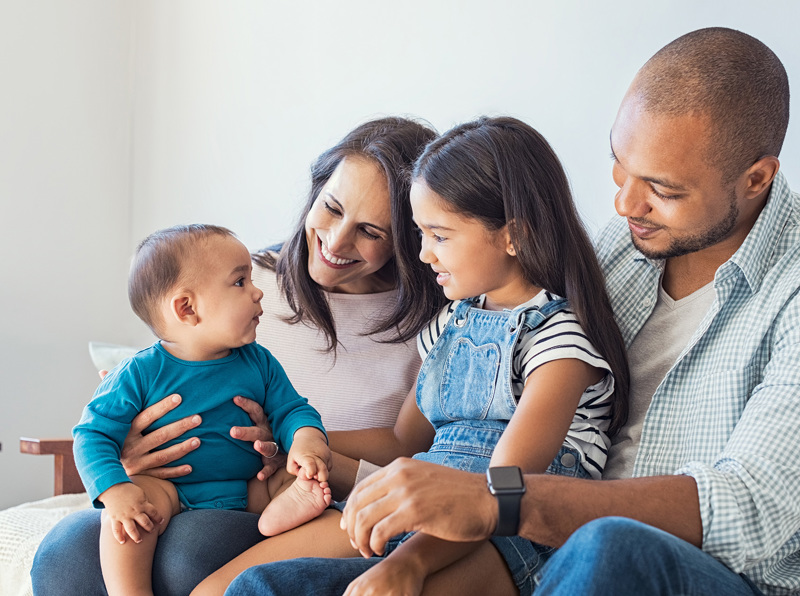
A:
[469, 259]
[349, 230]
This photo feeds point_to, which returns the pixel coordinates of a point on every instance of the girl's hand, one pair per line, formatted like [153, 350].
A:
[387, 577]
[138, 451]
[260, 435]
[127, 509]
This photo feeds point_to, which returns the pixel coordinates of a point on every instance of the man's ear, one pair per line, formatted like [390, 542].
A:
[760, 175]
[182, 307]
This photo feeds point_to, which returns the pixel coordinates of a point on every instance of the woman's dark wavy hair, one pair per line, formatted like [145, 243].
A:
[501, 171]
[392, 144]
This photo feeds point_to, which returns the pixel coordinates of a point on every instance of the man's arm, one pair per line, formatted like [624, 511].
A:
[555, 506]
[411, 495]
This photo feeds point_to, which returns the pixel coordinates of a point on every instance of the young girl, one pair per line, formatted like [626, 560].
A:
[525, 367]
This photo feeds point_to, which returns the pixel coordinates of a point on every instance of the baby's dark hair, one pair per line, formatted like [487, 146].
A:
[160, 264]
[501, 172]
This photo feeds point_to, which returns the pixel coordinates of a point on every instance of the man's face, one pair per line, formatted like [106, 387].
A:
[675, 201]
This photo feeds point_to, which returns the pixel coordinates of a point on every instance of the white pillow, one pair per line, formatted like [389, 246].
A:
[107, 356]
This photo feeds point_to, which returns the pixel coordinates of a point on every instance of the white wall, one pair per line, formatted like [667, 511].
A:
[64, 212]
[236, 99]
[117, 118]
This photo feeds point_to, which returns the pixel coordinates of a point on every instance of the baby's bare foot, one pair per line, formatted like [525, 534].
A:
[302, 501]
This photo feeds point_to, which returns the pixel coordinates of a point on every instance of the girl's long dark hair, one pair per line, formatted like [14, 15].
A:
[392, 144]
[501, 171]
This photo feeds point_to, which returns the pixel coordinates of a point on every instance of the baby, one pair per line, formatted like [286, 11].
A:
[192, 286]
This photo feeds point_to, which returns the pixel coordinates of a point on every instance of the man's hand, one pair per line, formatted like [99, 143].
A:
[138, 452]
[410, 495]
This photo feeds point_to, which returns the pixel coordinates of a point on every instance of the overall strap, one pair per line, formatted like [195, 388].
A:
[535, 316]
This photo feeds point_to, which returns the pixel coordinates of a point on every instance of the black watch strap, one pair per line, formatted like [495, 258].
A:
[508, 518]
[507, 486]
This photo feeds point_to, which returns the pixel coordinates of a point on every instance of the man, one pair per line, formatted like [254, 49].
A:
[703, 269]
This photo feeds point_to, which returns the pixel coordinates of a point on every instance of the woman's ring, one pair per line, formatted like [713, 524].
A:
[275, 445]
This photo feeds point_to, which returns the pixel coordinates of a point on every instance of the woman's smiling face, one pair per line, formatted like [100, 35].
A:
[348, 230]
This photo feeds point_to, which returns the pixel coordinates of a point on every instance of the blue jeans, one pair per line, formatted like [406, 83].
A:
[607, 556]
[615, 555]
[195, 544]
[300, 576]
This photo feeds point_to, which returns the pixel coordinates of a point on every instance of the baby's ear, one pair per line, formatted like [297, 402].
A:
[182, 307]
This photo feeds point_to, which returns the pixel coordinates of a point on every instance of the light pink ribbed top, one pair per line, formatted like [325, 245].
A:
[368, 382]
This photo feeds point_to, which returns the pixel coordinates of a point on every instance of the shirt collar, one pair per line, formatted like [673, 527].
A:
[756, 254]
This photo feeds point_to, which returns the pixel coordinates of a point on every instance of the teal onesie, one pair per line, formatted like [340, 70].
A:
[222, 465]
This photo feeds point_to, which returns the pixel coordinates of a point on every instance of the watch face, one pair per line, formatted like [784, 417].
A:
[506, 478]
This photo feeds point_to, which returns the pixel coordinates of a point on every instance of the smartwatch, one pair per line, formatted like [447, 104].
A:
[507, 485]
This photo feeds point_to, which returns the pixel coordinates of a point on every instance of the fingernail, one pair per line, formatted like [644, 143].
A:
[176, 399]
[195, 442]
[196, 419]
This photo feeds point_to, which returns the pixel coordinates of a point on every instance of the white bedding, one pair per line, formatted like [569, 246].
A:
[21, 530]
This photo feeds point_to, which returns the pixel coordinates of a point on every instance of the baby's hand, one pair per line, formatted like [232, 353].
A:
[387, 577]
[309, 454]
[127, 509]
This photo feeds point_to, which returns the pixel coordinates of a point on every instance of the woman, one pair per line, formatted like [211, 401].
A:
[343, 299]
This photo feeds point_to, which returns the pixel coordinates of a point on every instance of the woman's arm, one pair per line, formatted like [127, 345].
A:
[412, 433]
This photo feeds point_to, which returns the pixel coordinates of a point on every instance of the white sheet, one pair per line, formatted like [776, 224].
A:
[21, 530]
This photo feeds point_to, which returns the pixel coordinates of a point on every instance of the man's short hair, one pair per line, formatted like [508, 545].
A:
[160, 264]
[733, 79]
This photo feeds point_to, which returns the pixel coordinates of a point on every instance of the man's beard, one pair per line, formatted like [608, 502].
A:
[696, 242]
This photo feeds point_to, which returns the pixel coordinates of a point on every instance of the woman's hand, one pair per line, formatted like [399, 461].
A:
[261, 436]
[138, 455]
[410, 495]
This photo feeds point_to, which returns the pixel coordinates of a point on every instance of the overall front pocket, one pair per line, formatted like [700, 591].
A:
[468, 380]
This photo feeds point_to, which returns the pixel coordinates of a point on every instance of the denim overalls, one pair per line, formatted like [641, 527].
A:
[464, 389]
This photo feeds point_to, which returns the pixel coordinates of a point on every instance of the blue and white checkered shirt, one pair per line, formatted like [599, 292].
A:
[728, 411]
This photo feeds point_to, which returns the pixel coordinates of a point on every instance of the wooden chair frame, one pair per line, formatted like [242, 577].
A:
[65, 475]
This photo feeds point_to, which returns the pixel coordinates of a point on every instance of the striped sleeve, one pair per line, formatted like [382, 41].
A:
[428, 336]
[559, 337]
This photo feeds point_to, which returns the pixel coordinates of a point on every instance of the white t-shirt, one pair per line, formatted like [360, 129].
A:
[652, 353]
[561, 336]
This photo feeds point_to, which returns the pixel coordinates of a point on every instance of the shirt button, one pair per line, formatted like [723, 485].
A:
[218, 504]
[567, 460]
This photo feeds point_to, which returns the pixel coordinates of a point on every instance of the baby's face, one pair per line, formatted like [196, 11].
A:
[228, 305]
